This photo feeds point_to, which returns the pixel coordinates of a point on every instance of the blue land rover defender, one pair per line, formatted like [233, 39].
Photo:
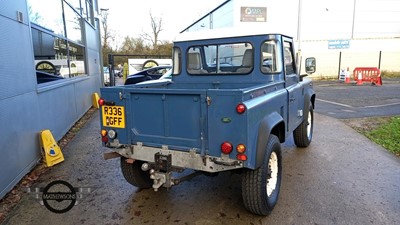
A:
[228, 105]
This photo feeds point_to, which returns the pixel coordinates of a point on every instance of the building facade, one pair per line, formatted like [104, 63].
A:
[50, 60]
[340, 34]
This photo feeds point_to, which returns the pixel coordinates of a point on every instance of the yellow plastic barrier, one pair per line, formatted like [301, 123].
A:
[95, 102]
[51, 152]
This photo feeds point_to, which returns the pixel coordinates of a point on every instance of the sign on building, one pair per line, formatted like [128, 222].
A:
[338, 44]
[253, 14]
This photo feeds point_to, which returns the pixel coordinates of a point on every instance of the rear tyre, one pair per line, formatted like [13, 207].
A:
[134, 174]
[260, 187]
[303, 133]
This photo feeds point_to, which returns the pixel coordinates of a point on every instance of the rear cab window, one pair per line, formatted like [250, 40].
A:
[236, 58]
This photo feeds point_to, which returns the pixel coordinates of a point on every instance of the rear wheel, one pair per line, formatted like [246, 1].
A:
[134, 174]
[260, 187]
[303, 133]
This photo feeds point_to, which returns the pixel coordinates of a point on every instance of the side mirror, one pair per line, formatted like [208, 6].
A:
[310, 65]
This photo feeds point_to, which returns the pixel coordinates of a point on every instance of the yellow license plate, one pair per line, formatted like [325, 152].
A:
[113, 116]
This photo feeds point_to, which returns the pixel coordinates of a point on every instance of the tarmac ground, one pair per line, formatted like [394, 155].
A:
[341, 178]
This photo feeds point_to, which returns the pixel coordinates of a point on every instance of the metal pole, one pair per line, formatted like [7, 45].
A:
[340, 62]
[111, 69]
[380, 58]
[299, 26]
[298, 58]
[354, 18]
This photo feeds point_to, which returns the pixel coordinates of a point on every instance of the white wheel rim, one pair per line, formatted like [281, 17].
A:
[309, 121]
[273, 168]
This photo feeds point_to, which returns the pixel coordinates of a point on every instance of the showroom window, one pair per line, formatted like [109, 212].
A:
[57, 37]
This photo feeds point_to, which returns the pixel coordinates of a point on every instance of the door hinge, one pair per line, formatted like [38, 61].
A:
[208, 99]
[121, 95]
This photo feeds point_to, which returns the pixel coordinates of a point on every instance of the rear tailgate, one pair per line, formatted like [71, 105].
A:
[173, 117]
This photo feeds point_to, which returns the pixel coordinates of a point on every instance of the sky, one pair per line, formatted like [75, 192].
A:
[323, 19]
[132, 17]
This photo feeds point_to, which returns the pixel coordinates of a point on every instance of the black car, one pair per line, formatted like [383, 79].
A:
[43, 77]
[153, 73]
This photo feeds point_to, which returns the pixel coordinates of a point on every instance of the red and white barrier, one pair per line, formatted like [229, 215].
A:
[367, 74]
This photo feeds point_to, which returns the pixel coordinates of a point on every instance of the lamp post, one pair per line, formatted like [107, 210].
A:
[354, 18]
[299, 26]
[298, 54]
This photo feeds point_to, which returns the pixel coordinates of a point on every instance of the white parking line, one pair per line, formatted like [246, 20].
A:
[378, 106]
[335, 103]
[360, 107]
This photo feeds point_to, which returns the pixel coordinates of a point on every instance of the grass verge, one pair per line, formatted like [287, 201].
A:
[385, 131]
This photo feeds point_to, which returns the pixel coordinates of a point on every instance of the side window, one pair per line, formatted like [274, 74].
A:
[270, 62]
[289, 62]
[177, 61]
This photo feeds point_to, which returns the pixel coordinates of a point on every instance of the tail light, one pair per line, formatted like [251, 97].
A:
[104, 137]
[226, 147]
[101, 101]
[240, 148]
[241, 157]
[240, 108]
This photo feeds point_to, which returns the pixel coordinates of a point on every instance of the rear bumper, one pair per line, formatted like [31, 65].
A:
[180, 159]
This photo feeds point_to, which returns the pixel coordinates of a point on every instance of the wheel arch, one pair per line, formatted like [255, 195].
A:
[309, 97]
[270, 124]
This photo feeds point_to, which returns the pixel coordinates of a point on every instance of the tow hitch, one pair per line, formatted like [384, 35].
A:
[160, 179]
[166, 179]
[161, 172]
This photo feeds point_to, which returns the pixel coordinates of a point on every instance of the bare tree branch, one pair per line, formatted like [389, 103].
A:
[107, 34]
[156, 28]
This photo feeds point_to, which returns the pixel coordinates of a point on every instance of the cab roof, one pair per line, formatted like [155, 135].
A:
[218, 33]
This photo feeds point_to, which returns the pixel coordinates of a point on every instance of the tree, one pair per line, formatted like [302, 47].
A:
[156, 28]
[133, 46]
[34, 17]
[164, 48]
[106, 36]
[141, 46]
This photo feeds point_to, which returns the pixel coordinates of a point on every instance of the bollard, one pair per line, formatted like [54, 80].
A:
[359, 79]
[347, 76]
